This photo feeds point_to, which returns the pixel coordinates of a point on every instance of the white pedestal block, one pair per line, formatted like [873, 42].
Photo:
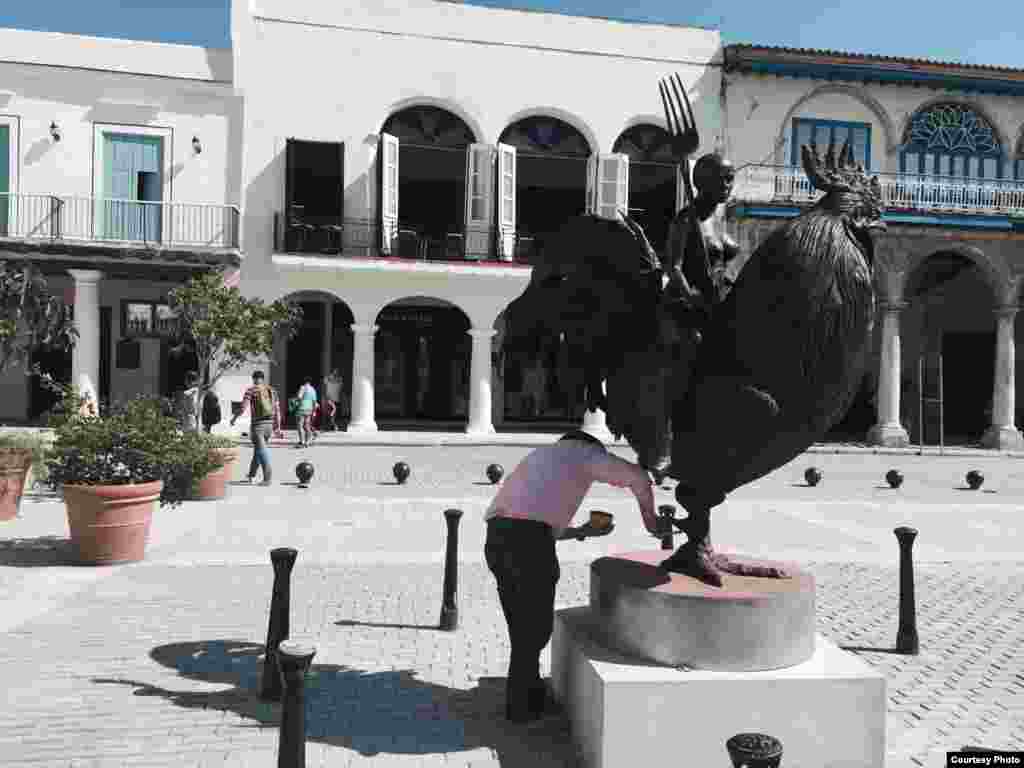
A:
[828, 712]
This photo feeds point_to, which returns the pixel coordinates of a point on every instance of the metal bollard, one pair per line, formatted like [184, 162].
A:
[449, 609]
[295, 658]
[666, 521]
[283, 558]
[906, 636]
[754, 750]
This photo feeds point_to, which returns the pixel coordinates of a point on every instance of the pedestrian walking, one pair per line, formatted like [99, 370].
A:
[211, 413]
[261, 400]
[529, 514]
[306, 397]
[187, 402]
[333, 384]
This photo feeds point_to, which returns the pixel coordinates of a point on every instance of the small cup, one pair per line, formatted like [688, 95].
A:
[600, 520]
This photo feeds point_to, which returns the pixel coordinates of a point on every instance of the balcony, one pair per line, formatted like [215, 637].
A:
[70, 220]
[901, 192]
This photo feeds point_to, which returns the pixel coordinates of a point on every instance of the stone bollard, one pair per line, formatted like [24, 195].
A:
[295, 658]
[283, 558]
[906, 636]
[449, 609]
[754, 750]
[666, 522]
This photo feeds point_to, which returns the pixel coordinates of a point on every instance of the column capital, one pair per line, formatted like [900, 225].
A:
[481, 333]
[365, 330]
[1006, 310]
[86, 275]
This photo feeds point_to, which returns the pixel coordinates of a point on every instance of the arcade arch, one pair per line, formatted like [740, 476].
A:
[653, 179]
[322, 343]
[422, 358]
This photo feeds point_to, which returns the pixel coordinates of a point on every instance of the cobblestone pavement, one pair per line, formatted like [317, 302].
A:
[158, 663]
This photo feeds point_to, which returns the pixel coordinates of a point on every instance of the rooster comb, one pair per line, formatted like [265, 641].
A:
[838, 174]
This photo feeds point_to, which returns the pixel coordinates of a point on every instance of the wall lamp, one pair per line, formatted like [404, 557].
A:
[54, 131]
[197, 146]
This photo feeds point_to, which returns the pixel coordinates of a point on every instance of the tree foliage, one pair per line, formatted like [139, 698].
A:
[30, 316]
[228, 330]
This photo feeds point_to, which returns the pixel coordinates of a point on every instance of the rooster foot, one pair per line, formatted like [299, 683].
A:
[727, 565]
[697, 561]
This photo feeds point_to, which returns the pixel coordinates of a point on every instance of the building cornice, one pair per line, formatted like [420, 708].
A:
[864, 68]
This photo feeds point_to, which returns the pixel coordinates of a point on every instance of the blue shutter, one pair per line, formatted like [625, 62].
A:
[131, 172]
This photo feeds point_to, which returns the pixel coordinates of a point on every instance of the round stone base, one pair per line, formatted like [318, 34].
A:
[747, 624]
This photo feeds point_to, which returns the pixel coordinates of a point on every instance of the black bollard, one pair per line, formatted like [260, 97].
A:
[906, 636]
[754, 750]
[283, 558]
[666, 522]
[449, 609]
[295, 658]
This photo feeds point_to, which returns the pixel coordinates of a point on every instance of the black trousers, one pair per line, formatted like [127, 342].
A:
[521, 555]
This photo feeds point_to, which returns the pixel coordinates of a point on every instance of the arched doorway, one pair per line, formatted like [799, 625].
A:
[422, 358]
[949, 317]
[322, 343]
[653, 175]
[551, 178]
[432, 146]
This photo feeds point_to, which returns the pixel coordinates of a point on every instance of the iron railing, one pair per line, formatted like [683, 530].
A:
[91, 219]
[900, 191]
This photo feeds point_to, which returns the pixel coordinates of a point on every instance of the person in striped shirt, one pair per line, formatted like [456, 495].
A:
[261, 401]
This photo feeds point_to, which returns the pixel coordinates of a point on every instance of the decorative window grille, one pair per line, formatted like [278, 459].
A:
[950, 139]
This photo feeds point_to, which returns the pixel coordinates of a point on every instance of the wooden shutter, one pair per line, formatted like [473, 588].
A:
[388, 192]
[479, 200]
[611, 186]
[506, 201]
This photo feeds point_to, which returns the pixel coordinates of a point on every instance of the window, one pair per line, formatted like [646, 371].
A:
[823, 131]
[654, 189]
[313, 195]
[147, 319]
[949, 139]
[8, 173]
[131, 183]
[1018, 163]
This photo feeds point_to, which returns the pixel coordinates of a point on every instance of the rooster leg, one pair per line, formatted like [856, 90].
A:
[724, 563]
[695, 558]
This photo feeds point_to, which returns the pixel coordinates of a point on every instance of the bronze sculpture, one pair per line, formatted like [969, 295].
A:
[714, 382]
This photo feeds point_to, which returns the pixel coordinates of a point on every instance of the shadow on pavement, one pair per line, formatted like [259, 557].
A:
[866, 649]
[378, 625]
[371, 712]
[39, 552]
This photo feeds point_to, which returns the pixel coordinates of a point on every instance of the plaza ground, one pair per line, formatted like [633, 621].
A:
[158, 663]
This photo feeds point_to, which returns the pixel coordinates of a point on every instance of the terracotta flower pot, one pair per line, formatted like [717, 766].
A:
[211, 487]
[110, 523]
[14, 467]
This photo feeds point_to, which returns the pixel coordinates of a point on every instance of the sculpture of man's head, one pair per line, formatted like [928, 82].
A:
[713, 176]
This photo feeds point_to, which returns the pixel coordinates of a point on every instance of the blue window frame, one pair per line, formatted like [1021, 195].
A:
[951, 139]
[823, 131]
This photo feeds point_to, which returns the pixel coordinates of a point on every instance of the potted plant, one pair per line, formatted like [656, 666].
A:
[203, 464]
[112, 471]
[21, 454]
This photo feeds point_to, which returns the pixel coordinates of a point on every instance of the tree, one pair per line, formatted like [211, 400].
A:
[227, 329]
[30, 317]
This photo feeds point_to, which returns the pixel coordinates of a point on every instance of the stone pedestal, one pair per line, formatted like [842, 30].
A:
[748, 624]
[828, 710]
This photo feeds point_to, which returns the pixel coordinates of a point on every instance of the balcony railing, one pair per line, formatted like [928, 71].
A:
[900, 191]
[91, 219]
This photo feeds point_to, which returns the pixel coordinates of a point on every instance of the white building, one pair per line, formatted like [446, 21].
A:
[119, 179]
[402, 159]
[947, 141]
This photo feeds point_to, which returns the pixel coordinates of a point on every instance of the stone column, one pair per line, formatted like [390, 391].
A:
[328, 345]
[85, 357]
[362, 379]
[889, 430]
[1003, 434]
[480, 422]
[596, 423]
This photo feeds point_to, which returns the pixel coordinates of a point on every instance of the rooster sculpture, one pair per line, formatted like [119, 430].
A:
[776, 365]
